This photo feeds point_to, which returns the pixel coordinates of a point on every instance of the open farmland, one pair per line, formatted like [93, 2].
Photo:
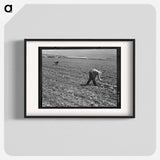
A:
[62, 84]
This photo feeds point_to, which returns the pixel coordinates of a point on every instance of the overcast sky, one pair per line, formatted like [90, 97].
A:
[89, 53]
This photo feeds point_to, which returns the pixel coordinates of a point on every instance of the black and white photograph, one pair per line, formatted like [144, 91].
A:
[79, 77]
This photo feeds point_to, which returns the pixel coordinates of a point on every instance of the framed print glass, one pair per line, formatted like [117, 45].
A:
[80, 78]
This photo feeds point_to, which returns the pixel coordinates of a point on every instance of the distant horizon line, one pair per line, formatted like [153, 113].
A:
[73, 57]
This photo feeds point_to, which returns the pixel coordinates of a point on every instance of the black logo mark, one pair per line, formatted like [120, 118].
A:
[8, 8]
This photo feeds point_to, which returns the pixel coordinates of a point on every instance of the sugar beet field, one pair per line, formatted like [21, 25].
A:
[62, 84]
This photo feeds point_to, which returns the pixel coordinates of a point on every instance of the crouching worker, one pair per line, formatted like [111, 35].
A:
[92, 76]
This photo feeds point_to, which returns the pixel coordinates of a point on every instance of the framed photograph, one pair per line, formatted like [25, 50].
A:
[79, 78]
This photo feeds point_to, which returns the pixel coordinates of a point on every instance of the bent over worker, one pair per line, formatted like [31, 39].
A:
[92, 76]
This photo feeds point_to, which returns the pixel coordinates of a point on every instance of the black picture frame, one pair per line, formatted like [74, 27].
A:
[40, 48]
